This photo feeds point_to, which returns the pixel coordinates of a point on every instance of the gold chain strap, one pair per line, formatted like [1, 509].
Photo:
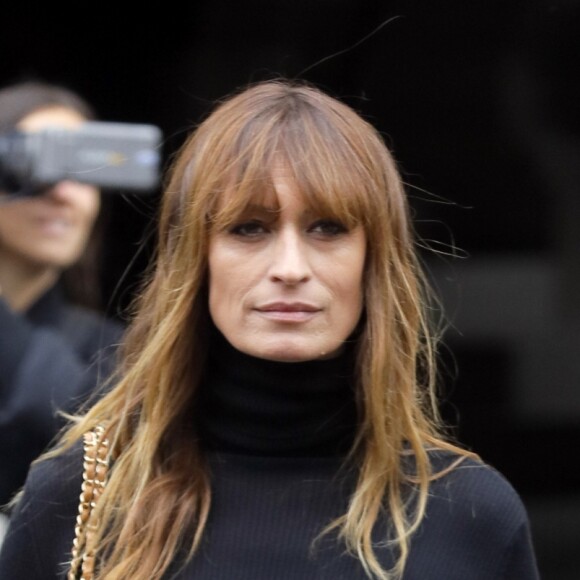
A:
[95, 467]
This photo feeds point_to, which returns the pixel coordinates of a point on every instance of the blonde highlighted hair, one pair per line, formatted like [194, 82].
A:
[158, 496]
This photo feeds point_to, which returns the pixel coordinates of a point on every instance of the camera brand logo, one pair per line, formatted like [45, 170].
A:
[101, 157]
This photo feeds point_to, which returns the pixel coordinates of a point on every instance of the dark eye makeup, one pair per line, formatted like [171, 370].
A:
[256, 227]
[248, 228]
[328, 227]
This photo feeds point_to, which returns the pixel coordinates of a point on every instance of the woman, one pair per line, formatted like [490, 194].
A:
[273, 416]
[48, 269]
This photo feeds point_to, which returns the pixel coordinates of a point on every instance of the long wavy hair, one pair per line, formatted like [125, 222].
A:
[81, 280]
[158, 496]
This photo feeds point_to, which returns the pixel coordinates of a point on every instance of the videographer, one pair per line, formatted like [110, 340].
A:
[54, 349]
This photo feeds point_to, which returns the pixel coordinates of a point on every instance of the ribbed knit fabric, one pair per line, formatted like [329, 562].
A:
[258, 407]
[276, 434]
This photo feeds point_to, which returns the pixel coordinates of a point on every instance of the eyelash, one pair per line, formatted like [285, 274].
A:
[325, 227]
[329, 227]
[242, 229]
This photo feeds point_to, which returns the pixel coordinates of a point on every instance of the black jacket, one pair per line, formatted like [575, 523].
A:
[51, 359]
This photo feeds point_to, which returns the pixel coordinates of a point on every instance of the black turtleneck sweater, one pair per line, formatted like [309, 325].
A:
[251, 406]
[275, 436]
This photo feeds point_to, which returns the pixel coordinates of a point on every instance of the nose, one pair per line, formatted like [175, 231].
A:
[290, 264]
[61, 192]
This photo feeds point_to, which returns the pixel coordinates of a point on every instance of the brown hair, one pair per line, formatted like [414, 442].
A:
[158, 495]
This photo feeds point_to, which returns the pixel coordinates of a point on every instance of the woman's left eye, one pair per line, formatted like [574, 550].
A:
[328, 228]
[248, 229]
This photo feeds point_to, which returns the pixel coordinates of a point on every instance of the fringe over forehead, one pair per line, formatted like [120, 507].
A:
[334, 158]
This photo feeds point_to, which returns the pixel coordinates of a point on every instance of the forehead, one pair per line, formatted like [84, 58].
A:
[50, 117]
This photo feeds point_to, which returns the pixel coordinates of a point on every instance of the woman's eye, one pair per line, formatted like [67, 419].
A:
[328, 228]
[248, 229]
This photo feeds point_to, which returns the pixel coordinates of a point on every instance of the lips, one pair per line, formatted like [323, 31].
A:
[54, 226]
[288, 311]
[288, 307]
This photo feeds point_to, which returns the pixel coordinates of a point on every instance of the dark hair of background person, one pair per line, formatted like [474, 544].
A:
[81, 282]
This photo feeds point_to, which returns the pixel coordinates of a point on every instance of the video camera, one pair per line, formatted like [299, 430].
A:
[122, 157]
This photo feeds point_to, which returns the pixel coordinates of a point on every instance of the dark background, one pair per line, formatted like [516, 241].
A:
[480, 103]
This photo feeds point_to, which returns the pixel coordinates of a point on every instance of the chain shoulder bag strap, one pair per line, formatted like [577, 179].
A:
[95, 470]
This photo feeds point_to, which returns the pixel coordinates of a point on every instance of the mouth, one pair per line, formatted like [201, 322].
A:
[55, 227]
[288, 311]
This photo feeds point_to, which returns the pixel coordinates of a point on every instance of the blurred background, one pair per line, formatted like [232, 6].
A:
[479, 102]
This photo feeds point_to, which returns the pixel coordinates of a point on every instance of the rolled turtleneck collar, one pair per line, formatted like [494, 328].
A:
[255, 406]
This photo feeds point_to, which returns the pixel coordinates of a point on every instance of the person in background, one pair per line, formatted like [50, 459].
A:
[273, 416]
[55, 347]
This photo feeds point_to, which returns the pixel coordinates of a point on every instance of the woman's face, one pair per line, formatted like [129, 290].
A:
[49, 230]
[285, 283]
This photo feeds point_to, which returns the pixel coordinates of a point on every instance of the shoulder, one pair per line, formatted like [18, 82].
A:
[476, 489]
[78, 320]
[52, 483]
[41, 531]
[90, 332]
[475, 521]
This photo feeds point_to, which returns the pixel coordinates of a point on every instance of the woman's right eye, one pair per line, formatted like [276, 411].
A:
[248, 229]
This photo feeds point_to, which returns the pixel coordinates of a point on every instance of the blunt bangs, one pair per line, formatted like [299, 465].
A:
[335, 162]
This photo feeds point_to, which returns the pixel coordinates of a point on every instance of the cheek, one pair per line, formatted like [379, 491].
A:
[218, 290]
[224, 283]
[351, 282]
[91, 204]
[232, 272]
[352, 301]
[347, 268]
[11, 223]
[230, 281]
[226, 301]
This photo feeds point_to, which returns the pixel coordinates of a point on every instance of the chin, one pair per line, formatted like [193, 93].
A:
[292, 352]
[56, 262]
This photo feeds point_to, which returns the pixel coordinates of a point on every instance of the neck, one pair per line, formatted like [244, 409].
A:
[260, 407]
[22, 284]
